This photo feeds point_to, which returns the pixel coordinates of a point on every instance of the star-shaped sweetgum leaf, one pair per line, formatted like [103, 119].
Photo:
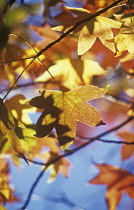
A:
[63, 110]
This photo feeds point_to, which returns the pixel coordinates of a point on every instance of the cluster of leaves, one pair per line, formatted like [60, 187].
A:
[86, 49]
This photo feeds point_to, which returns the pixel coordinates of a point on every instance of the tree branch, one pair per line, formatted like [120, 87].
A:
[77, 25]
[68, 153]
[91, 17]
[115, 141]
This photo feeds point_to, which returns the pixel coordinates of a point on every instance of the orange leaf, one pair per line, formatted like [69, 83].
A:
[118, 181]
[61, 166]
[126, 150]
[49, 142]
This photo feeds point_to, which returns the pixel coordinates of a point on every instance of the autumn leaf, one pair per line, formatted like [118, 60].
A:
[2, 207]
[99, 27]
[48, 4]
[27, 138]
[114, 110]
[47, 149]
[7, 125]
[127, 63]
[56, 51]
[62, 166]
[45, 142]
[19, 110]
[118, 181]
[63, 110]
[6, 192]
[125, 39]
[35, 69]
[94, 5]
[71, 73]
[126, 150]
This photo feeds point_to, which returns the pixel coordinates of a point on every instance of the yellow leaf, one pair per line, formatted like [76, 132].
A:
[63, 110]
[19, 110]
[2, 207]
[7, 126]
[99, 27]
[125, 40]
[71, 73]
[6, 192]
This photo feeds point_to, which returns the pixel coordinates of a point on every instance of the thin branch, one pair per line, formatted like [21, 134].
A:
[77, 25]
[91, 17]
[116, 142]
[68, 153]
[17, 79]
[27, 85]
[32, 188]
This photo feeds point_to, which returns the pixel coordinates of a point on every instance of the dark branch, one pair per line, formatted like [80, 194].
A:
[115, 141]
[68, 153]
[91, 17]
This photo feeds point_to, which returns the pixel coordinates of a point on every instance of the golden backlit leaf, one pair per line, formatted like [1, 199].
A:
[63, 110]
[126, 150]
[118, 181]
[99, 27]
[71, 73]
[125, 39]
